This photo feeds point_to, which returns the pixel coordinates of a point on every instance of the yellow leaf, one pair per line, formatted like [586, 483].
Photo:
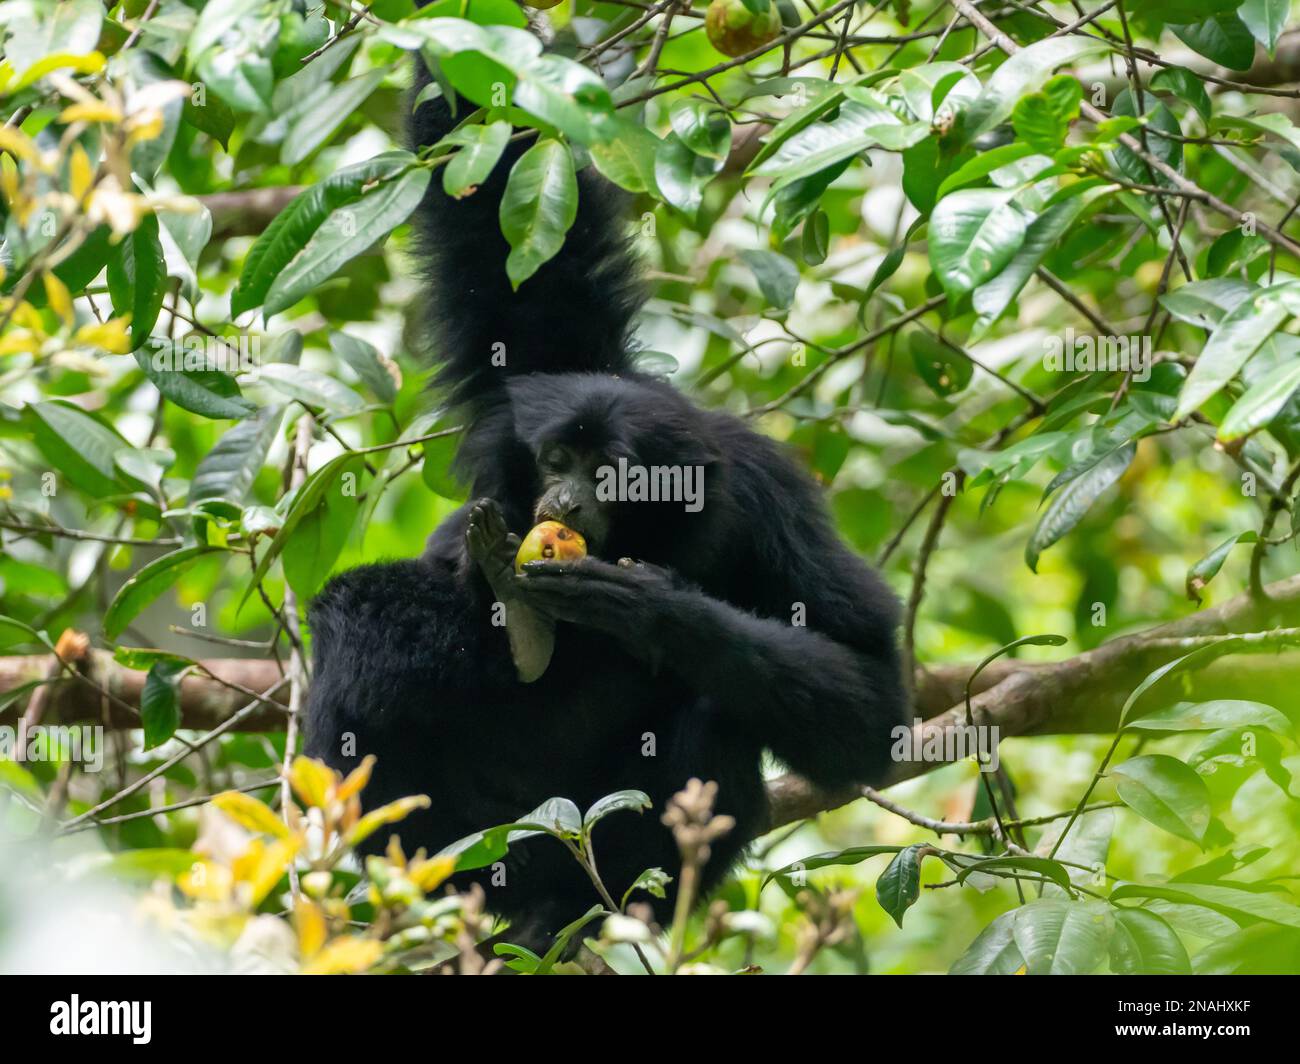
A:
[18, 144]
[357, 779]
[386, 814]
[206, 881]
[144, 127]
[20, 342]
[90, 112]
[60, 298]
[429, 874]
[111, 335]
[345, 956]
[81, 174]
[91, 63]
[312, 780]
[248, 812]
[261, 867]
[310, 924]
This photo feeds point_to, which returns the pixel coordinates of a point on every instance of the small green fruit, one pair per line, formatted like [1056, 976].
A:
[733, 29]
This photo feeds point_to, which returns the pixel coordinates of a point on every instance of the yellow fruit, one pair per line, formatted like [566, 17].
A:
[550, 541]
[734, 30]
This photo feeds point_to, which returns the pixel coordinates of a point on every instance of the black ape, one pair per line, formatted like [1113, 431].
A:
[689, 664]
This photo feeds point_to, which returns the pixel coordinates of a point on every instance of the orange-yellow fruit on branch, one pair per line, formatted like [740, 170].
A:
[733, 29]
[550, 541]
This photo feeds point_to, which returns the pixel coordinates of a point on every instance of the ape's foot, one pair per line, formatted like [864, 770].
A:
[492, 546]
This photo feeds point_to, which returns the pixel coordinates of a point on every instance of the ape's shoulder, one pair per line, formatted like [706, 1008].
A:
[391, 594]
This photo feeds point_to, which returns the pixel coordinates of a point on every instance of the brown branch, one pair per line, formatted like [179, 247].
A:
[1084, 694]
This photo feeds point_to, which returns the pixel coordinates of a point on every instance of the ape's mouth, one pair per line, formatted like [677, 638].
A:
[592, 532]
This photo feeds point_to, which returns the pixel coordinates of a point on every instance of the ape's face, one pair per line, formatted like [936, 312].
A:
[617, 459]
[568, 476]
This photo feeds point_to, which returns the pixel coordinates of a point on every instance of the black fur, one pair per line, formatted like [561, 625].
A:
[695, 651]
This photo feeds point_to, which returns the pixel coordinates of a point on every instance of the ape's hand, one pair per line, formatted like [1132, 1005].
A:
[622, 599]
[493, 548]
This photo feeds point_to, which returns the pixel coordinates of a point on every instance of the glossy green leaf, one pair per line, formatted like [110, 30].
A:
[539, 205]
[1166, 792]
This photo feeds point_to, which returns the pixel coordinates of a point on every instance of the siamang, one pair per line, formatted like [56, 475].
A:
[684, 645]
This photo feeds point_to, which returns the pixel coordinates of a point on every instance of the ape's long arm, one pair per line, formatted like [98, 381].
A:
[824, 707]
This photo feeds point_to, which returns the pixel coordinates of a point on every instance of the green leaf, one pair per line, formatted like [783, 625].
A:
[1074, 500]
[943, 368]
[832, 859]
[347, 232]
[992, 298]
[1166, 792]
[702, 127]
[146, 585]
[1262, 402]
[160, 706]
[1208, 567]
[1237, 337]
[1143, 944]
[327, 479]
[627, 155]
[1042, 119]
[899, 885]
[1266, 19]
[1184, 84]
[974, 233]
[539, 205]
[862, 123]
[137, 278]
[681, 175]
[815, 239]
[78, 445]
[320, 532]
[211, 393]
[292, 229]
[1221, 897]
[635, 801]
[228, 470]
[480, 148]
[1043, 867]
[1060, 937]
[314, 389]
[14, 633]
[367, 363]
[316, 124]
[1028, 68]
[1213, 715]
[1223, 39]
[994, 952]
[777, 276]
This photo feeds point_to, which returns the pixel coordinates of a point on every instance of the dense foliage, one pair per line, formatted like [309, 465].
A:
[1017, 281]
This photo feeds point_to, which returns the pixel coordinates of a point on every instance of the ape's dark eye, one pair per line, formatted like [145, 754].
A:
[556, 459]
